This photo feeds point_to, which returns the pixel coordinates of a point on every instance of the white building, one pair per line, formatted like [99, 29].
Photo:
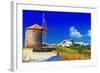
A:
[66, 43]
[81, 43]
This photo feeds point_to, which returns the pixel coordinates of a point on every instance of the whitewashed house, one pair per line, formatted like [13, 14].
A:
[81, 43]
[66, 43]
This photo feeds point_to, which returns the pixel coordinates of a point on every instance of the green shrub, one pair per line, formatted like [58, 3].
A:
[65, 50]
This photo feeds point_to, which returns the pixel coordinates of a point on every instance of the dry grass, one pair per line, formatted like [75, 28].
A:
[64, 56]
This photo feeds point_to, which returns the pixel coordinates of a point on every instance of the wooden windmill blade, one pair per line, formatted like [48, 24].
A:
[44, 32]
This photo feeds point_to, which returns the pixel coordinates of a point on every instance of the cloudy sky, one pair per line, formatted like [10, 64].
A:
[61, 25]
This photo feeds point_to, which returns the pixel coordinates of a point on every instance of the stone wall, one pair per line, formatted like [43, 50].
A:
[33, 38]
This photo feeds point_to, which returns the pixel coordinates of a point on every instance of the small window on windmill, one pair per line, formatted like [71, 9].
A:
[33, 30]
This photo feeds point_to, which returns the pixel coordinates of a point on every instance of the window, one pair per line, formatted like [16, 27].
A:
[33, 30]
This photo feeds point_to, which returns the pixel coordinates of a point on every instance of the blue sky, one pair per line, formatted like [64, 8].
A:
[61, 25]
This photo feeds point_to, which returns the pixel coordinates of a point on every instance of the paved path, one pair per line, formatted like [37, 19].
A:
[28, 55]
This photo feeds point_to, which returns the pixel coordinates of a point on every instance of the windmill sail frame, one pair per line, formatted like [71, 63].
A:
[44, 32]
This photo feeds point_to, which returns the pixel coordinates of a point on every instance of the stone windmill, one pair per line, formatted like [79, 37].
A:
[35, 35]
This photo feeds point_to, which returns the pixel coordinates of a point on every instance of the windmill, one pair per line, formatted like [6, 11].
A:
[44, 32]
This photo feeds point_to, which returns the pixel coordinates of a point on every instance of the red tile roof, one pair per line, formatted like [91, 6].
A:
[36, 26]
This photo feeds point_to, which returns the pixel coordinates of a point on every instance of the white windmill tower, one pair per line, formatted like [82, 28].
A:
[44, 32]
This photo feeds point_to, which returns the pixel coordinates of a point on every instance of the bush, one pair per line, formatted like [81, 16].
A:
[80, 48]
[65, 50]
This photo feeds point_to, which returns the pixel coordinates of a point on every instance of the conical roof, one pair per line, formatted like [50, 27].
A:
[36, 26]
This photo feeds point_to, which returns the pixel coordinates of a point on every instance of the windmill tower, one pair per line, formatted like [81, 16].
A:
[35, 35]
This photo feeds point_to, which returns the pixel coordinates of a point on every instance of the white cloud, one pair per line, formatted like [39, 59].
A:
[75, 33]
[89, 33]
